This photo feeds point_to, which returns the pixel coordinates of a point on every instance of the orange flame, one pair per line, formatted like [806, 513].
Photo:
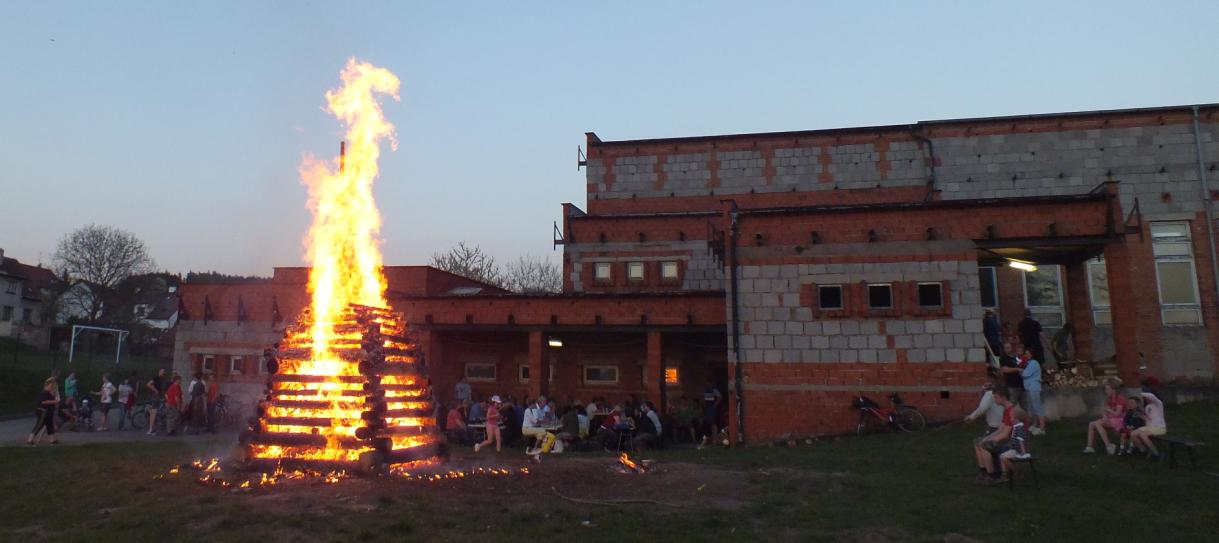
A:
[343, 248]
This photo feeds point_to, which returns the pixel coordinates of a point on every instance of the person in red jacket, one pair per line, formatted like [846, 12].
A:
[173, 405]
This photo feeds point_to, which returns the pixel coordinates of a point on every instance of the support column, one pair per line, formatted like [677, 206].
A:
[655, 369]
[537, 379]
[1079, 309]
[1124, 313]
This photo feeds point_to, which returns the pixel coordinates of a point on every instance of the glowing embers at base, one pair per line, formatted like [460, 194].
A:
[212, 473]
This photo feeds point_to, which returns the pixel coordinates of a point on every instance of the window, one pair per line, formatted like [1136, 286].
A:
[1043, 295]
[1098, 292]
[7, 315]
[11, 288]
[880, 296]
[668, 271]
[634, 271]
[1170, 243]
[522, 373]
[602, 272]
[600, 375]
[930, 295]
[480, 372]
[829, 297]
[672, 376]
[27, 315]
[209, 363]
[988, 286]
[236, 365]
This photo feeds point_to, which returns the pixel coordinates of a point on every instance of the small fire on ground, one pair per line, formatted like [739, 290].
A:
[626, 464]
[211, 473]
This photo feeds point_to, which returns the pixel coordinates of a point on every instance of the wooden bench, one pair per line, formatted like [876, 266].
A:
[1173, 441]
[1011, 475]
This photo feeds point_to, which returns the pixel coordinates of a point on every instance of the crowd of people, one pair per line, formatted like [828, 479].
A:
[553, 427]
[182, 410]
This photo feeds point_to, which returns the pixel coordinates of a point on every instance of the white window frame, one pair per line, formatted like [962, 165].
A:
[1192, 309]
[869, 294]
[994, 285]
[666, 267]
[1102, 314]
[599, 382]
[1055, 310]
[236, 365]
[630, 272]
[842, 302]
[208, 363]
[919, 295]
[522, 373]
[480, 379]
[609, 272]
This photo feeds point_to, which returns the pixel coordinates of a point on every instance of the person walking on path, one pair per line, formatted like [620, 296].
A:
[105, 401]
[493, 433]
[126, 398]
[48, 401]
[156, 385]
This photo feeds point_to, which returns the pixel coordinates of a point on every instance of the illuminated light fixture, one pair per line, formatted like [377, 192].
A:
[1019, 265]
[554, 342]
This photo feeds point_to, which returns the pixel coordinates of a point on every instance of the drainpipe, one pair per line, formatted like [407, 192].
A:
[734, 235]
[1206, 196]
[931, 179]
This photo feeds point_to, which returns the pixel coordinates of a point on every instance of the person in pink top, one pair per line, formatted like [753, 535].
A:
[1154, 410]
[493, 434]
[1110, 419]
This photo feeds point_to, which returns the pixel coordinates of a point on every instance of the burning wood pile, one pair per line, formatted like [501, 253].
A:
[360, 403]
[628, 465]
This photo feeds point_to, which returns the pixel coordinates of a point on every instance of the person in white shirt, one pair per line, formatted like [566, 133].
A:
[988, 407]
[106, 397]
[531, 426]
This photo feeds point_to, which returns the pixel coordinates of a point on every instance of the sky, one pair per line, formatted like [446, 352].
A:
[185, 122]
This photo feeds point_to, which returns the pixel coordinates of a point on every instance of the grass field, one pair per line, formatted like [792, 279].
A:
[876, 488]
[26, 368]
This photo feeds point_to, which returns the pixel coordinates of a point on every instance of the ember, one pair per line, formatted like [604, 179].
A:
[630, 465]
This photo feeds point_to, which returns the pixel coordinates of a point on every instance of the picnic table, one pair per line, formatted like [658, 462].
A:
[480, 429]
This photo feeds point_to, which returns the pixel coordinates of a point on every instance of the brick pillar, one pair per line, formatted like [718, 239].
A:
[1079, 309]
[1124, 312]
[655, 369]
[537, 379]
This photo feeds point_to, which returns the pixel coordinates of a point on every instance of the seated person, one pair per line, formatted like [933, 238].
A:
[1017, 446]
[569, 427]
[1153, 415]
[650, 430]
[478, 411]
[455, 425]
[989, 447]
[1132, 420]
[582, 419]
[533, 426]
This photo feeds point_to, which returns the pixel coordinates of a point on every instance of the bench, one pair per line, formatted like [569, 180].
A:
[1011, 475]
[1173, 442]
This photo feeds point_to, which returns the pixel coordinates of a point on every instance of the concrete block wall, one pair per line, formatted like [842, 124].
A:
[777, 328]
[701, 270]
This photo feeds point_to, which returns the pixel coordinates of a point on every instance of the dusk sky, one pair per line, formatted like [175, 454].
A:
[185, 123]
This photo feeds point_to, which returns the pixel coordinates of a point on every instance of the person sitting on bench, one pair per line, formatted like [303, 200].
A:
[1156, 426]
[1018, 445]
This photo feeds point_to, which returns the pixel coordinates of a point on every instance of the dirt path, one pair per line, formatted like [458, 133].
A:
[13, 433]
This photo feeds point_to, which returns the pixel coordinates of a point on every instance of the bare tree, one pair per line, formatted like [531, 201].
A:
[533, 275]
[94, 259]
[470, 262]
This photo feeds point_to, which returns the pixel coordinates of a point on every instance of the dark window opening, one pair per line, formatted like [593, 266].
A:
[880, 296]
[829, 297]
[930, 295]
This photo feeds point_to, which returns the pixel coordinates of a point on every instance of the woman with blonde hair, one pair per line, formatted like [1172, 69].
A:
[1111, 419]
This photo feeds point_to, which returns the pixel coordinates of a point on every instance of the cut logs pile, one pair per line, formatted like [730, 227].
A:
[359, 404]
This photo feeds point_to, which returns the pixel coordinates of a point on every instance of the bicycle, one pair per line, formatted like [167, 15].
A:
[228, 412]
[138, 416]
[906, 418]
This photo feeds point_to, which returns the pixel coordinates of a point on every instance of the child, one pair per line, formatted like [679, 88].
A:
[1017, 446]
[1131, 421]
[493, 433]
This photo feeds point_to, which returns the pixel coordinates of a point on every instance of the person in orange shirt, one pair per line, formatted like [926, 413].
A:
[173, 405]
[213, 394]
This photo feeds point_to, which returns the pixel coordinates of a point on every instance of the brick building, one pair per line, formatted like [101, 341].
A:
[794, 269]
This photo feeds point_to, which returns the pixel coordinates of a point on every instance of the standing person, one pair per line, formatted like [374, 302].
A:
[69, 386]
[1009, 367]
[493, 433]
[106, 399]
[988, 407]
[156, 386]
[1153, 411]
[462, 391]
[125, 400]
[197, 417]
[1113, 418]
[1029, 371]
[1030, 335]
[48, 400]
[213, 396]
[173, 405]
[993, 333]
[712, 397]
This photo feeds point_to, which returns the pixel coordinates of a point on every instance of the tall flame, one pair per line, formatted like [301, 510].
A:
[342, 245]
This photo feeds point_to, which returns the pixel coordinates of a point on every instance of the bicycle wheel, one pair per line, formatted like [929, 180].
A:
[910, 419]
[139, 417]
[862, 426]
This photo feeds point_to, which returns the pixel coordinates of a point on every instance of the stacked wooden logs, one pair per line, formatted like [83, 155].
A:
[386, 360]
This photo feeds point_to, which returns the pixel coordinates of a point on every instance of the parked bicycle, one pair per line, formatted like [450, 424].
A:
[900, 416]
[138, 416]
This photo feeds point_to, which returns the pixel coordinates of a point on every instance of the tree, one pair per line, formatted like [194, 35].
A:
[94, 259]
[533, 275]
[470, 262]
